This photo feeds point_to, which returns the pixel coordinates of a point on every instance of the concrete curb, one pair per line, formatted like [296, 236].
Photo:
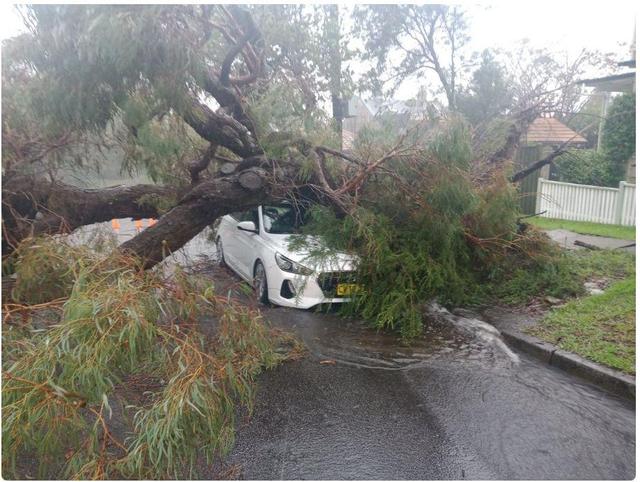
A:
[612, 380]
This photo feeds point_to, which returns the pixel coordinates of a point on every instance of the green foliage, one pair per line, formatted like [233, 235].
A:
[59, 379]
[282, 120]
[38, 261]
[373, 138]
[429, 232]
[585, 166]
[164, 148]
[306, 50]
[92, 57]
[426, 233]
[552, 276]
[106, 329]
[489, 94]
[619, 134]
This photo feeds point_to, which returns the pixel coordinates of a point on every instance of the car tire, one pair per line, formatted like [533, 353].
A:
[220, 252]
[260, 284]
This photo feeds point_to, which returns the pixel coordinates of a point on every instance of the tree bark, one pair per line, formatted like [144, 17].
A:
[197, 210]
[518, 176]
[33, 206]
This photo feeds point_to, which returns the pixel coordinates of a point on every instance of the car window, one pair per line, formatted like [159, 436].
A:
[281, 219]
[250, 215]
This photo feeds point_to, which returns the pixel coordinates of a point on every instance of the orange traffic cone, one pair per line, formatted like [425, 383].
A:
[138, 224]
[115, 225]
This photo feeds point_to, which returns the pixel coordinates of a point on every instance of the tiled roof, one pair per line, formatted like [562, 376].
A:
[549, 130]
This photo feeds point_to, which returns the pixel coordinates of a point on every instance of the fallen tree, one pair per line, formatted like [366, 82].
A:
[36, 202]
[190, 70]
[186, 93]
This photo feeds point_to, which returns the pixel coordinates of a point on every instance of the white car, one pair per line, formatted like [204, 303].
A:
[255, 244]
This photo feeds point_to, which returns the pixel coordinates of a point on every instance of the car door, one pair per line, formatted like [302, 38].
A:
[244, 248]
[228, 234]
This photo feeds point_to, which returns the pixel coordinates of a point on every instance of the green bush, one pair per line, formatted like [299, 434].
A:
[619, 134]
[550, 277]
[585, 166]
[60, 380]
[37, 262]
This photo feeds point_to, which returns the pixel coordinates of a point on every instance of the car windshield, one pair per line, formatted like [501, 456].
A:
[282, 219]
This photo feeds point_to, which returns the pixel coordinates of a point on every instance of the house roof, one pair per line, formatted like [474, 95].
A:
[376, 105]
[613, 83]
[549, 130]
[628, 63]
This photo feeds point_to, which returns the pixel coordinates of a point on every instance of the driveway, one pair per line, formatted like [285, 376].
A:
[567, 239]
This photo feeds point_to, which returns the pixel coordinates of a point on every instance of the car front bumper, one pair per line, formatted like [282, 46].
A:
[305, 291]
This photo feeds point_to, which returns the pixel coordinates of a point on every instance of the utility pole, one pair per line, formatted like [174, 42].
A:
[603, 116]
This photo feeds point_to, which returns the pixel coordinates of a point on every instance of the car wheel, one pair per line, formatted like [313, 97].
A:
[220, 252]
[260, 284]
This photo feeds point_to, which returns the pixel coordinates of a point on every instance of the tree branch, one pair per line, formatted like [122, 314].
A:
[33, 206]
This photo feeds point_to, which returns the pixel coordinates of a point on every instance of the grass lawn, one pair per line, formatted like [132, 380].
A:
[562, 278]
[610, 230]
[599, 327]
[604, 263]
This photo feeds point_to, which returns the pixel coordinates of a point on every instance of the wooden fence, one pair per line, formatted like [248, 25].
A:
[577, 202]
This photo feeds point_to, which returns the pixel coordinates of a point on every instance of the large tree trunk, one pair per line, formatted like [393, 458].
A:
[200, 208]
[33, 206]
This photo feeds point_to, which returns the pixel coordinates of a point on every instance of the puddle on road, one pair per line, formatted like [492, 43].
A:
[331, 337]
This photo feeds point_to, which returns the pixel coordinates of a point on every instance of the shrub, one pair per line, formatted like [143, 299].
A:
[619, 134]
[585, 166]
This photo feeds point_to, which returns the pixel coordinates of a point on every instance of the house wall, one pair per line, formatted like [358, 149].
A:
[359, 115]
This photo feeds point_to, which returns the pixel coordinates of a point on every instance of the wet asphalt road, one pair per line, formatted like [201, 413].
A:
[447, 407]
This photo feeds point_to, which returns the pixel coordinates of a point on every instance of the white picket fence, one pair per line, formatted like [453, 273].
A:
[577, 202]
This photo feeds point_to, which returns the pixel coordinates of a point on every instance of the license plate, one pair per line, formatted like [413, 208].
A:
[347, 289]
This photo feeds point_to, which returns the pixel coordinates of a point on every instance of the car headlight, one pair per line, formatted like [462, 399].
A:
[285, 264]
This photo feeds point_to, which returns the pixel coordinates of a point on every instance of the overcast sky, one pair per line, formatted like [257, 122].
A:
[564, 24]
[561, 25]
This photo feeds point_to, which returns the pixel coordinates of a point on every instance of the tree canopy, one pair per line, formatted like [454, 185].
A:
[619, 134]
[423, 39]
[489, 94]
[223, 107]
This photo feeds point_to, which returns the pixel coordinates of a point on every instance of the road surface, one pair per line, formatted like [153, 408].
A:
[451, 406]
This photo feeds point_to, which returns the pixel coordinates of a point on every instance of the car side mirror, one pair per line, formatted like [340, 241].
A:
[248, 226]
